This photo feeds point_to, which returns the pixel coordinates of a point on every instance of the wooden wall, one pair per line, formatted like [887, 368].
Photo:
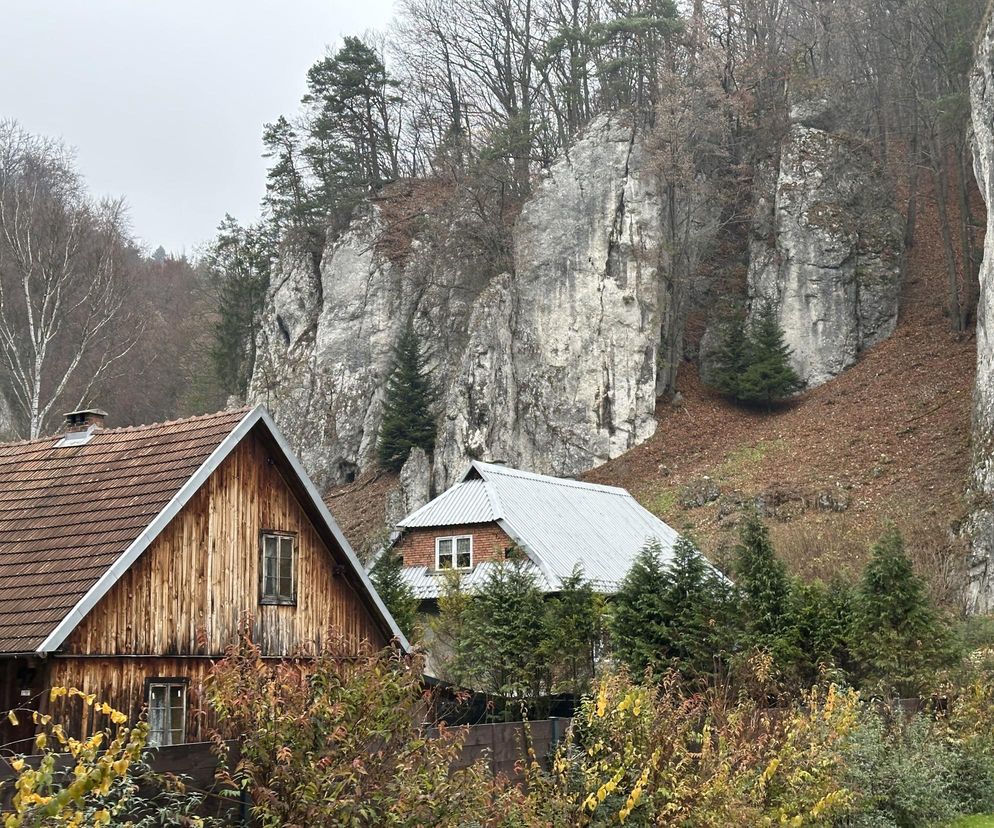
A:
[190, 590]
[121, 683]
[182, 602]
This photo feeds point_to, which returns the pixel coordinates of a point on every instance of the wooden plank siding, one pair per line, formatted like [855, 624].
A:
[121, 683]
[183, 601]
[192, 588]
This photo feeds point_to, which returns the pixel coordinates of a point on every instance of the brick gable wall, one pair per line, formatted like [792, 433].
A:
[417, 546]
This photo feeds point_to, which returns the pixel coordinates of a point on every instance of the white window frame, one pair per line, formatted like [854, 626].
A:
[277, 597]
[168, 727]
[453, 554]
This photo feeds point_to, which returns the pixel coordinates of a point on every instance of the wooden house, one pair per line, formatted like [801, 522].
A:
[130, 557]
[557, 524]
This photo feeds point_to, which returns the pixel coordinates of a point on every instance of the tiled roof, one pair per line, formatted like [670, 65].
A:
[560, 523]
[67, 514]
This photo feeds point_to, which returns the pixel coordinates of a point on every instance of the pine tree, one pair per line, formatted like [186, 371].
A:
[387, 577]
[764, 594]
[769, 376]
[350, 146]
[408, 421]
[287, 194]
[897, 635]
[731, 358]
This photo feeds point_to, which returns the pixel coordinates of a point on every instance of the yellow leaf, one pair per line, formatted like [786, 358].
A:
[13, 718]
[41, 740]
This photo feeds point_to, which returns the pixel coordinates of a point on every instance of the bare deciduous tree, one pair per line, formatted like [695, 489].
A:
[63, 283]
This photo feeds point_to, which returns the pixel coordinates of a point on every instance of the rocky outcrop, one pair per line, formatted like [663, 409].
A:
[552, 367]
[326, 342]
[981, 521]
[560, 371]
[827, 246]
[413, 488]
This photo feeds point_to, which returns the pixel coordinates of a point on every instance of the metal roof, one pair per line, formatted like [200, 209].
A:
[469, 501]
[429, 583]
[558, 522]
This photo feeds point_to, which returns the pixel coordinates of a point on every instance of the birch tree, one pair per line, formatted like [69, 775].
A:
[63, 298]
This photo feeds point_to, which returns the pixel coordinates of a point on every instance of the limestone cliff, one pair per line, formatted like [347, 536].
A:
[981, 521]
[552, 367]
[826, 246]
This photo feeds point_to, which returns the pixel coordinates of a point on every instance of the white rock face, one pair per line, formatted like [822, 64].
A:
[324, 349]
[413, 488]
[552, 367]
[560, 371]
[981, 522]
[827, 248]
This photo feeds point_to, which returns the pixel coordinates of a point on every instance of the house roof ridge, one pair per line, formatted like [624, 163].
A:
[239, 412]
[571, 482]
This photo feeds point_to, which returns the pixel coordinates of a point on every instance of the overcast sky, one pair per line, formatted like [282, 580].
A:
[164, 100]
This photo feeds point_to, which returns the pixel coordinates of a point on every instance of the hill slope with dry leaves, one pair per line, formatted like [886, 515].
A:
[888, 440]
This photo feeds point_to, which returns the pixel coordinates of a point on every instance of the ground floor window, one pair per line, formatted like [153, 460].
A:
[166, 712]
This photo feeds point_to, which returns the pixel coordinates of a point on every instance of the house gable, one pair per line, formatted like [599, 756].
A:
[199, 580]
[417, 545]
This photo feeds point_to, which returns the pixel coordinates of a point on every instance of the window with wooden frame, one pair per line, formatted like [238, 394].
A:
[166, 711]
[278, 568]
[454, 552]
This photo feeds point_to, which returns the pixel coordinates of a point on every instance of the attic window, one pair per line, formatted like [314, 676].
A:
[278, 569]
[454, 552]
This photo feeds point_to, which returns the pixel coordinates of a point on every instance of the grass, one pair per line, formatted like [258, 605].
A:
[741, 462]
[976, 821]
[664, 503]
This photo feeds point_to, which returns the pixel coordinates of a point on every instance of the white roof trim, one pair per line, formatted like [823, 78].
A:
[73, 618]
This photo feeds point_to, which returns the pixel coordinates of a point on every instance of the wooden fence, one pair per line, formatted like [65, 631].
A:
[503, 744]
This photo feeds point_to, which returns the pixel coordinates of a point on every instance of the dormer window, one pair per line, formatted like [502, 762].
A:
[278, 569]
[455, 552]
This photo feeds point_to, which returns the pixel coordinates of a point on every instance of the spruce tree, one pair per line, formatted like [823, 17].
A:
[897, 635]
[499, 649]
[387, 577]
[764, 594]
[769, 376]
[697, 602]
[639, 623]
[571, 634]
[408, 420]
[823, 614]
[237, 266]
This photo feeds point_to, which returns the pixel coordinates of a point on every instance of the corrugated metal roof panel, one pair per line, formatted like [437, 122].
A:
[561, 523]
[427, 583]
[467, 502]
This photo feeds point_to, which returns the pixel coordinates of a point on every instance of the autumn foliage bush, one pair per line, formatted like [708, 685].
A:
[99, 779]
[342, 739]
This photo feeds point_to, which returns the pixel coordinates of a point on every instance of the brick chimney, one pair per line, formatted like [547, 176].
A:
[82, 419]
